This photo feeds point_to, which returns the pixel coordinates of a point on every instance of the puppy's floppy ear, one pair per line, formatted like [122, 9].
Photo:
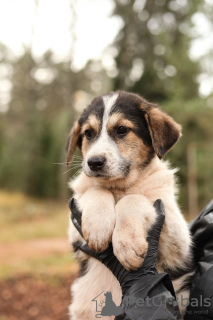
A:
[73, 141]
[164, 131]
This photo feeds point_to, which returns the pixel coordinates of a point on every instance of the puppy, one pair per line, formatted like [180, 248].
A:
[123, 138]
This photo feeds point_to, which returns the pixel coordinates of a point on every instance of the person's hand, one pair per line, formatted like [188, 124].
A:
[125, 278]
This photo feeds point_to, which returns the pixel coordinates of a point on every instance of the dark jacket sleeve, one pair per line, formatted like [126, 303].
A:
[201, 294]
[151, 298]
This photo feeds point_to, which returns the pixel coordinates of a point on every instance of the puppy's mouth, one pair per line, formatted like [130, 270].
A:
[110, 173]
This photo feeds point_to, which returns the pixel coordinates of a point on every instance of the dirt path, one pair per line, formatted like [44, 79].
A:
[29, 298]
[35, 296]
[33, 248]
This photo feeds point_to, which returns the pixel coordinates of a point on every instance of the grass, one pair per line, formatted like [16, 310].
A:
[53, 264]
[24, 219]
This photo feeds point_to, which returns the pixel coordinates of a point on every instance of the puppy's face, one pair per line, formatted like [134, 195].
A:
[120, 132]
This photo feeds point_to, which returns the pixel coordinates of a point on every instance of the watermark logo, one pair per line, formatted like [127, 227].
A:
[105, 306]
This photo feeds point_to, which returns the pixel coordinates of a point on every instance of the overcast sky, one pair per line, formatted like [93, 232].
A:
[95, 30]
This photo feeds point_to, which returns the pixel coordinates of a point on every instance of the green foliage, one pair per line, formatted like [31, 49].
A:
[196, 120]
[153, 49]
[152, 60]
[36, 125]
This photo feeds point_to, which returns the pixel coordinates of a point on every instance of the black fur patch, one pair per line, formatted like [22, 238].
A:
[76, 245]
[129, 104]
[179, 272]
[82, 263]
[96, 107]
[83, 267]
[148, 159]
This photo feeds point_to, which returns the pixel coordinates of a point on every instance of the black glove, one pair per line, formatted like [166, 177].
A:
[126, 278]
[155, 290]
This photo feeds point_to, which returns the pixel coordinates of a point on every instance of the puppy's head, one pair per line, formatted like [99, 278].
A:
[119, 132]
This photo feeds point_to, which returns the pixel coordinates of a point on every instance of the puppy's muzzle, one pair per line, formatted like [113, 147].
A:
[96, 163]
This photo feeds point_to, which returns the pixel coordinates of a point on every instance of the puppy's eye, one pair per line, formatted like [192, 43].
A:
[122, 130]
[88, 133]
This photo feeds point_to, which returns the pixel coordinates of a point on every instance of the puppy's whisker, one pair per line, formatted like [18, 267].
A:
[61, 163]
[74, 163]
[75, 166]
[70, 165]
[76, 159]
[71, 169]
[66, 171]
[75, 174]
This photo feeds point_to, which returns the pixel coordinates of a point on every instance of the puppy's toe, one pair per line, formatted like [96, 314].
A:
[98, 246]
[129, 255]
[98, 241]
[135, 258]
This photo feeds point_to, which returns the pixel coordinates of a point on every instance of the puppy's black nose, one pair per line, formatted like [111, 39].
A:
[96, 163]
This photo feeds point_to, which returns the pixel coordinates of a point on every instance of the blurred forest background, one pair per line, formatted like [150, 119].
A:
[40, 98]
[150, 53]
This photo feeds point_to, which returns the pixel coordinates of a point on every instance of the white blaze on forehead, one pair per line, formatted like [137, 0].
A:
[105, 146]
[109, 102]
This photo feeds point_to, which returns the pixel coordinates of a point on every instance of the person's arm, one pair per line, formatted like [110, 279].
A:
[145, 293]
[201, 293]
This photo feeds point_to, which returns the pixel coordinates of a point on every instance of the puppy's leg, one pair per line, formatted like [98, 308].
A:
[92, 284]
[175, 244]
[98, 217]
[183, 299]
[182, 287]
[134, 215]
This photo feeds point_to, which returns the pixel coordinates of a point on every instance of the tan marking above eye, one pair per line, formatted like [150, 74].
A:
[133, 148]
[92, 124]
[117, 120]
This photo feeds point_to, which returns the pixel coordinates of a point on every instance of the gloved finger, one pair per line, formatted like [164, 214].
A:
[155, 230]
[75, 211]
[154, 235]
[76, 224]
[160, 209]
[86, 249]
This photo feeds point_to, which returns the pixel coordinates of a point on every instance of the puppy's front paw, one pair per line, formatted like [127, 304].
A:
[129, 248]
[97, 229]
[134, 215]
[98, 218]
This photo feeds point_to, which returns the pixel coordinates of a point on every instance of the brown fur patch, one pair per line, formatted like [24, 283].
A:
[164, 131]
[133, 149]
[117, 120]
[92, 123]
[72, 141]
[85, 146]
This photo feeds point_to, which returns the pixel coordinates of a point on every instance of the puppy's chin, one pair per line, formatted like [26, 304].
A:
[120, 181]
[106, 176]
[109, 175]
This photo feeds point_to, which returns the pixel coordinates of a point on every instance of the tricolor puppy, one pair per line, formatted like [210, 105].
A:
[123, 138]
